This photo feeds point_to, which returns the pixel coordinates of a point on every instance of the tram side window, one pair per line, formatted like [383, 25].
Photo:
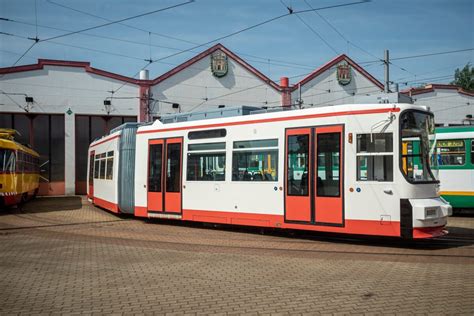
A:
[298, 165]
[91, 168]
[451, 152]
[206, 162]
[102, 166]
[96, 166]
[19, 161]
[110, 165]
[7, 160]
[213, 133]
[375, 157]
[255, 160]
[472, 152]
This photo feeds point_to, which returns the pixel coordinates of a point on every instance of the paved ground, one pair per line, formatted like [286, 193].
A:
[65, 256]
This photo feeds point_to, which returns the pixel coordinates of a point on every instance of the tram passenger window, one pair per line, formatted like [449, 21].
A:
[96, 167]
[374, 157]
[173, 172]
[102, 169]
[472, 152]
[451, 152]
[298, 165]
[91, 168]
[7, 160]
[213, 133]
[206, 162]
[255, 160]
[19, 161]
[376, 142]
[110, 165]
[206, 167]
[329, 173]
[154, 168]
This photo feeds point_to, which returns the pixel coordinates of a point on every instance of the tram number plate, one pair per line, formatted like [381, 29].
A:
[431, 212]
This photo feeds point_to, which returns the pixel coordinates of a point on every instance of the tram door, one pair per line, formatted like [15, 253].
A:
[91, 174]
[164, 175]
[314, 175]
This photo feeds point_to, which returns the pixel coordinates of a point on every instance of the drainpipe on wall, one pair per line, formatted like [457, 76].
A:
[144, 113]
[285, 92]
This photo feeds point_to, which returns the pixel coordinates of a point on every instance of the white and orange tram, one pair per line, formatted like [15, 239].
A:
[344, 169]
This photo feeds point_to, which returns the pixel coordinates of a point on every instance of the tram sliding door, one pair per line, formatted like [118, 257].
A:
[328, 195]
[164, 175]
[314, 175]
[155, 171]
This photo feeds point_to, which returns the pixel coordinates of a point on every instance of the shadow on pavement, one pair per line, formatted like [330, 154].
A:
[457, 237]
[45, 205]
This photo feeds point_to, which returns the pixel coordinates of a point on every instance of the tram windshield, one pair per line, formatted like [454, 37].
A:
[418, 144]
[7, 160]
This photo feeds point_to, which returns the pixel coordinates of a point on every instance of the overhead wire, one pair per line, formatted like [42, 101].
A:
[123, 55]
[434, 54]
[290, 10]
[170, 37]
[244, 30]
[260, 24]
[423, 55]
[118, 21]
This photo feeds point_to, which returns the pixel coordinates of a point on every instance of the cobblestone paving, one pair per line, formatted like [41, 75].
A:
[64, 256]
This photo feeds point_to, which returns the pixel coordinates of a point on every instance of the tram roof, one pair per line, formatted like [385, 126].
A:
[13, 145]
[344, 109]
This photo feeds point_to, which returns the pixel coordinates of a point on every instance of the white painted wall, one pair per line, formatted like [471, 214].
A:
[325, 89]
[56, 89]
[194, 84]
[449, 106]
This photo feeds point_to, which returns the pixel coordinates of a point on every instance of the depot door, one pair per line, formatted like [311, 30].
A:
[164, 175]
[314, 175]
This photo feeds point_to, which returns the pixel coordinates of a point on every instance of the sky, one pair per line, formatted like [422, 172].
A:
[290, 46]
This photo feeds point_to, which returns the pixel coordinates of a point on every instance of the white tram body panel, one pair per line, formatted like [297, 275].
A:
[104, 191]
[350, 193]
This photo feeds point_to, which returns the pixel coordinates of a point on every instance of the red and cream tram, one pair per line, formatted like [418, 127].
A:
[335, 169]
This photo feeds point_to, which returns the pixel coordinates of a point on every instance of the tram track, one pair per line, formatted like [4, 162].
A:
[229, 239]
[263, 250]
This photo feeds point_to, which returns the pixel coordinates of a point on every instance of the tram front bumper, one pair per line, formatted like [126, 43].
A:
[430, 216]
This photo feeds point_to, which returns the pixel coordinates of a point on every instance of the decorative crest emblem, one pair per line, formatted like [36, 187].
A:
[344, 73]
[219, 64]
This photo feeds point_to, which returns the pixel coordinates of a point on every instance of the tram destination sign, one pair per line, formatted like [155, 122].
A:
[450, 143]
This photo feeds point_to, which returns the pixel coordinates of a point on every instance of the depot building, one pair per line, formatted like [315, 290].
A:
[59, 107]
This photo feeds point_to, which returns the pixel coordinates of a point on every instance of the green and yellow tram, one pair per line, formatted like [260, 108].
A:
[455, 155]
